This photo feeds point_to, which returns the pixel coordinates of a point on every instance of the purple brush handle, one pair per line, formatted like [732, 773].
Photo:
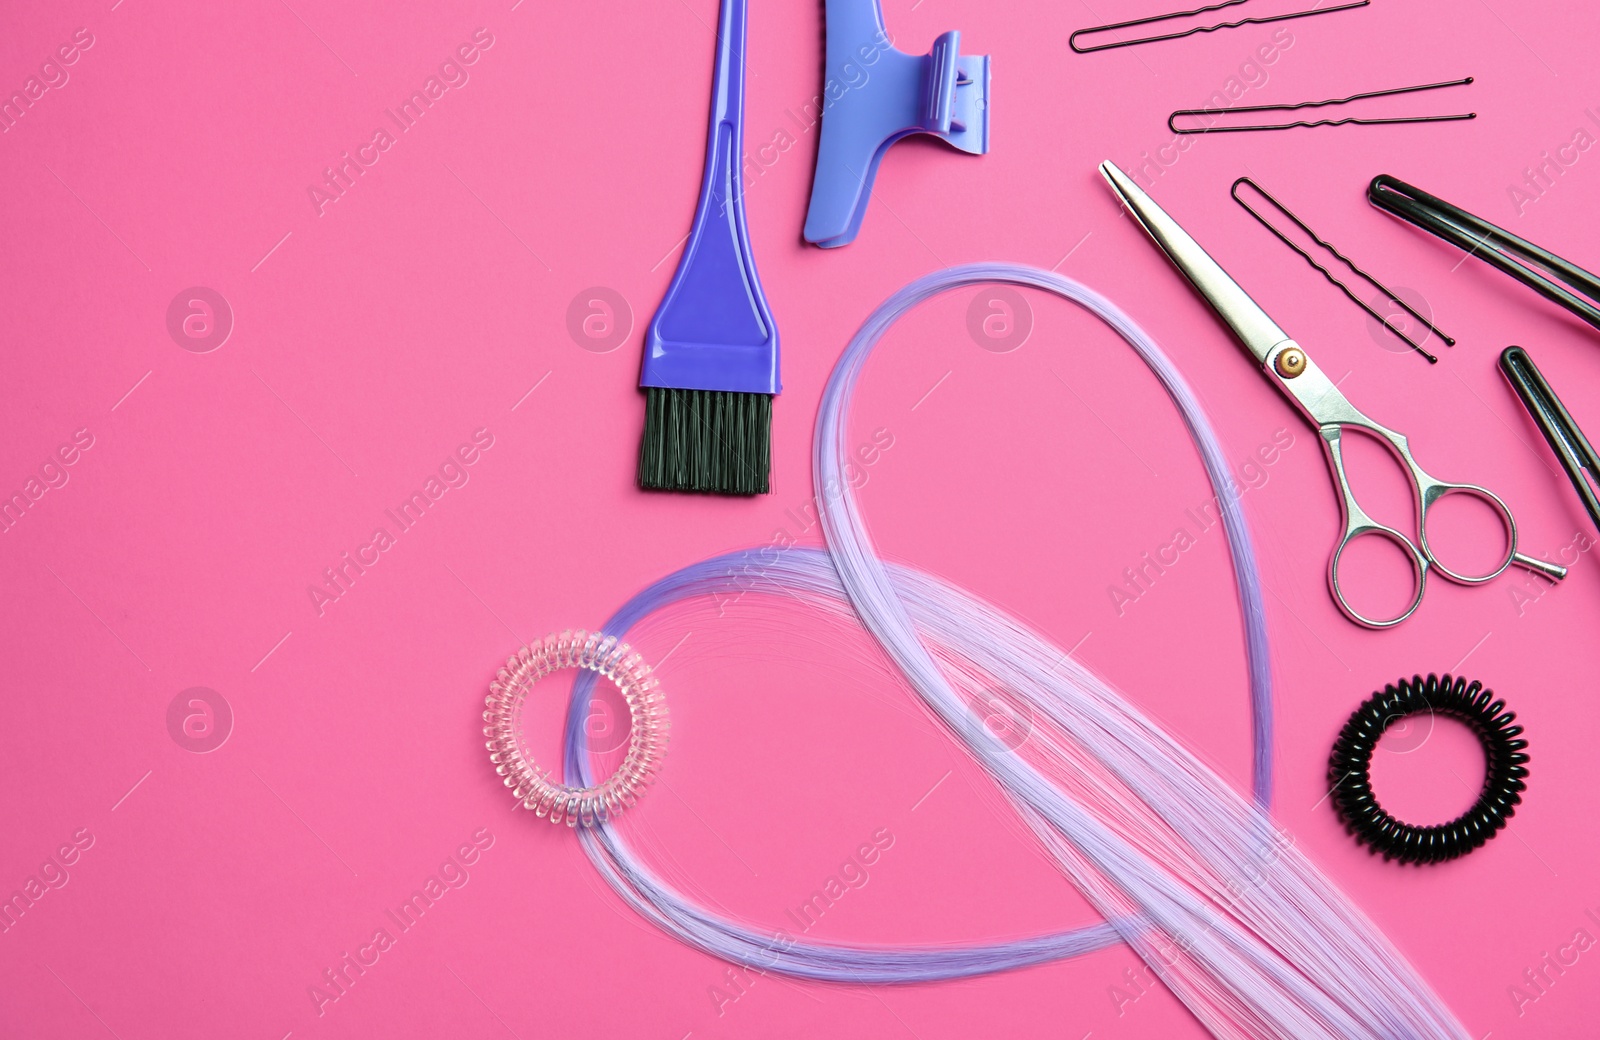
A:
[713, 330]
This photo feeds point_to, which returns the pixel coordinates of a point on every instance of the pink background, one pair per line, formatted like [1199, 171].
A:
[432, 300]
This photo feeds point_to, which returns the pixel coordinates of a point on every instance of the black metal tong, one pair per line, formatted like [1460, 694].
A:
[1572, 287]
[1572, 448]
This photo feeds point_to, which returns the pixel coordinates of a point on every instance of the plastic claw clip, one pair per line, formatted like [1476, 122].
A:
[872, 96]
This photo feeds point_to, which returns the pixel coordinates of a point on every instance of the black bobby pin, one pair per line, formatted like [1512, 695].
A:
[1072, 41]
[1348, 120]
[1517, 257]
[1505, 772]
[1319, 240]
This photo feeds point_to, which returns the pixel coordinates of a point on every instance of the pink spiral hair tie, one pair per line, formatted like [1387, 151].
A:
[647, 714]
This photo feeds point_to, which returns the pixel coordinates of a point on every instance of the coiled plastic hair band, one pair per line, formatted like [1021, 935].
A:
[1296, 959]
[1505, 769]
[609, 658]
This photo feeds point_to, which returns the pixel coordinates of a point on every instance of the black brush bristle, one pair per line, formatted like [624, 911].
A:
[716, 441]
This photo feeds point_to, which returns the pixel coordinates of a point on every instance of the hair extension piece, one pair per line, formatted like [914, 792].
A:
[1195, 877]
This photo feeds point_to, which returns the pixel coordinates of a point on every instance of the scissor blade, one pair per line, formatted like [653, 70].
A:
[1249, 322]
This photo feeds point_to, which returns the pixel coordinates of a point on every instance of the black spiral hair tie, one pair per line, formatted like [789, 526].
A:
[1350, 769]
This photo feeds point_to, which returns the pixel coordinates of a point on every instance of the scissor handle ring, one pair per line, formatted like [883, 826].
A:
[1433, 493]
[1419, 569]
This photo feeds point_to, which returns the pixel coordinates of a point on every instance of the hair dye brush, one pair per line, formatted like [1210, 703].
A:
[711, 354]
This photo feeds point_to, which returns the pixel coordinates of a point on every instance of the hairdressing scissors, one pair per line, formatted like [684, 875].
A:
[1287, 364]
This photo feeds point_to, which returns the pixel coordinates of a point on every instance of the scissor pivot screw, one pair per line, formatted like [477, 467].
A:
[1290, 363]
